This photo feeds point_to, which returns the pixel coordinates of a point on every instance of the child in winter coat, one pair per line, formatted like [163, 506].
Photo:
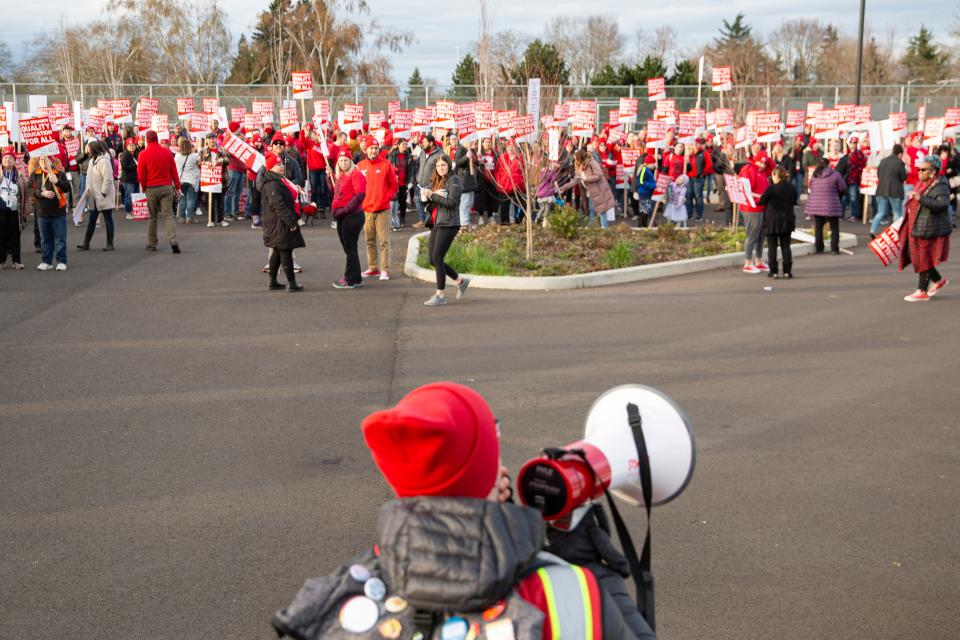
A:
[547, 189]
[676, 210]
[645, 183]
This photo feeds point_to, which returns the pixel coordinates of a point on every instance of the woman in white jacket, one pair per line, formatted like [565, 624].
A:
[188, 168]
[101, 193]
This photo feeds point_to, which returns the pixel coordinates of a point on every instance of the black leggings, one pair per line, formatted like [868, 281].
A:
[928, 276]
[834, 223]
[402, 204]
[348, 230]
[783, 239]
[440, 240]
[10, 236]
[284, 257]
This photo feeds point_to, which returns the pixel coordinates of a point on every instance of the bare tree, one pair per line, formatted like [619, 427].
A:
[116, 46]
[485, 69]
[663, 42]
[66, 47]
[586, 43]
[799, 43]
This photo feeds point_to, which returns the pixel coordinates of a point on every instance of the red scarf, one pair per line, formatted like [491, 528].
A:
[913, 205]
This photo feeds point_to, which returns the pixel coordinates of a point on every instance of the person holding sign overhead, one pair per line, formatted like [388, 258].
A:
[158, 177]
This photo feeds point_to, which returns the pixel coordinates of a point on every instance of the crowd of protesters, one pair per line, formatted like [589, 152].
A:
[370, 183]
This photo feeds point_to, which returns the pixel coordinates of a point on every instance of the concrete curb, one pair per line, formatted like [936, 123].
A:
[598, 278]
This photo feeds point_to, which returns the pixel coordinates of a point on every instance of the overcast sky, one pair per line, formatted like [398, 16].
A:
[445, 28]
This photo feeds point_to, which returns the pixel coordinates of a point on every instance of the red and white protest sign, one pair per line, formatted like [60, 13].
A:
[743, 137]
[656, 89]
[722, 79]
[321, 110]
[37, 134]
[898, 119]
[238, 114]
[140, 210]
[421, 119]
[796, 119]
[628, 110]
[723, 120]
[561, 112]
[375, 120]
[921, 117]
[4, 127]
[666, 110]
[629, 157]
[289, 120]
[686, 127]
[199, 124]
[402, 123]
[933, 132]
[251, 122]
[446, 114]
[553, 143]
[392, 107]
[739, 190]
[160, 122]
[302, 85]
[466, 122]
[150, 105]
[263, 109]
[767, 126]
[583, 118]
[184, 108]
[656, 134]
[613, 117]
[886, 246]
[211, 178]
[813, 108]
[848, 115]
[352, 117]
[869, 181]
[826, 124]
[951, 121]
[660, 191]
[242, 151]
[120, 111]
[61, 114]
[862, 114]
[523, 125]
[96, 121]
[72, 146]
[211, 105]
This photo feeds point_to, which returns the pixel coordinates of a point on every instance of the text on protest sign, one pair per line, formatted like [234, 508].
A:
[199, 124]
[37, 133]
[813, 108]
[767, 126]
[628, 110]
[263, 109]
[184, 108]
[160, 122]
[739, 190]
[826, 124]
[321, 110]
[656, 89]
[656, 134]
[869, 180]
[402, 123]
[666, 110]
[211, 178]
[951, 121]
[238, 114]
[289, 121]
[933, 132]
[722, 79]
[302, 85]
[886, 246]
[245, 153]
[660, 190]
[899, 121]
[140, 210]
[211, 105]
[467, 126]
[723, 119]
[392, 107]
[796, 118]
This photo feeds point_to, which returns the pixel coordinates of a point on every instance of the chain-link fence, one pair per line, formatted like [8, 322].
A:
[884, 98]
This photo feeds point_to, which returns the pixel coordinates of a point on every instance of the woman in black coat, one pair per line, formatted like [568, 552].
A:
[280, 229]
[779, 199]
[443, 217]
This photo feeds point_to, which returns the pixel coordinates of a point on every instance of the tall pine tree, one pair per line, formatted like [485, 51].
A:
[924, 59]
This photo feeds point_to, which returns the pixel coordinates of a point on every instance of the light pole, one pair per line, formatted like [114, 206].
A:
[860, 50]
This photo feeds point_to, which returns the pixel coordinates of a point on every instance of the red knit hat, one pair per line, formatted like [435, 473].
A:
[277, 137]
[129, 141]
[370, 141]
[8, 151]
[649, 160]
[270, 160]
[439, 440]
[353, 134]
[344, 153]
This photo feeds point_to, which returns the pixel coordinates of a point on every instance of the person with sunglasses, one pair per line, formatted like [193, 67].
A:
[925, 234]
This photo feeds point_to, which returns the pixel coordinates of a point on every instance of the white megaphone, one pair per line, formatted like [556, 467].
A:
[563, 479]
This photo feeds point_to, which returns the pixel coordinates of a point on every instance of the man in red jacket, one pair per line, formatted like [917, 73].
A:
[381, 189]
[158, 177]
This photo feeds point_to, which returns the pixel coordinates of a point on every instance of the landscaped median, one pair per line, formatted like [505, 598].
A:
[494, 256]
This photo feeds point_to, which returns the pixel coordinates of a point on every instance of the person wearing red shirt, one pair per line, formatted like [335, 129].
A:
[914, 156]
[674, 162]
[755, 173]
[316, 168]
[381, 189]
[158, 177]
[508, 176]
[856, 161]
[346, 208]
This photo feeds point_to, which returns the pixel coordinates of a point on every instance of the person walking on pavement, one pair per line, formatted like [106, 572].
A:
[443, 218]
[101, 193]
[157, 173]
[429, 152]
[925, 234]
[891, 174]
[381, 188]
[281, 233]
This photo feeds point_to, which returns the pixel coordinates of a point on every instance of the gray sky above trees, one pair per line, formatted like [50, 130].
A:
[444, 32]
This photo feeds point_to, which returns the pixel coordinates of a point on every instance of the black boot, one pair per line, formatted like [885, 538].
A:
[274, 284]
[83, 247]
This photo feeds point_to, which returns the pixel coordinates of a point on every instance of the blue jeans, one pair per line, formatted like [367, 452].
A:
[188, 202]
[707, 186]
[53, 238]
[798, 183]
[853, 195]
[318, 188]
[128, 189]
[892, 207]
[603, 216]
[466, 204]
[421, 210]
[695, 198]
[231, 199]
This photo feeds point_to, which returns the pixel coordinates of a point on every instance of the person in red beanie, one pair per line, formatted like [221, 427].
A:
[281, 233]
[645, 183]
[755, 173]
[381, 189]
[348, 187]
[454, 557]
[157, 173]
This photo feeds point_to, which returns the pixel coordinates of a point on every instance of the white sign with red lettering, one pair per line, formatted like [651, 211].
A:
[211, 178]
[660, 190]
[466, 122]
[263, 109]
[561, 112]
[826, 124]
[37, 133]
[951, 121]
[886, 246]
[184, 108]
[813, 108]
[869, 180]
[666, 110]
[211, 105]
[251, 122]
[933, 132]
[352, 117]
[140, 210]
[656, 89]
[446, 114]
[921, 117]
[238, 114]
[739, 190]
[628, 110]
[768, 127]
[656, 134]
[686, 128]
[160, 122]
[73, 146]
[402, 123]
[899, 121]
[392, 107]
[289, 120]
[376, 120]
[302, 85]
[321, 110]
[583, 118]
[723, 120]
[4, 126]
[796, 118]
[722, 79]
[242, 151]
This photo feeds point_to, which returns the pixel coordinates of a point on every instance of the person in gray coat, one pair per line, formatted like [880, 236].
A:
[426, 161]
[442, 203]
[891, 174]
[101, 193]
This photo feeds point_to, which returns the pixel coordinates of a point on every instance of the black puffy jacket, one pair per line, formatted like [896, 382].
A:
[448, 207]
[278, 215]
[932, 219]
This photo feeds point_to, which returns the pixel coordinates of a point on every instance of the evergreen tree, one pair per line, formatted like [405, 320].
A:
[542, 61]
[684, 73]
[924, 59]
[415, 83]
[245, 68]
[734, 33]
[465, 78]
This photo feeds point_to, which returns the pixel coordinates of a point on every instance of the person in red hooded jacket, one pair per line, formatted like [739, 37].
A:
[755, 173]
[233, 182]
[508, 176]
[311, 141]
[381, 189]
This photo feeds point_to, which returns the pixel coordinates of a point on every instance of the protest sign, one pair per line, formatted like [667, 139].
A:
[352, 117]
[826, 124]
[4, 127]
[933, 132]
[767, 127]
[628, 158]
[899, 121]
[77, 115]
[533, 101]
[446, 114]
[289, 121]
[660, 190]
[553, 144]
[37, 134]
[96, 121]
[813, 108]
[583, 118]
[184, 108]
[140, 210]
[238, 114]
[199, 124]
[402, 123]
[211, 105]
[951, 121]
[466, 122]
[62, 114]
[242, 151]
[722, 79]
[375, 120]
[263, 109]
[796, 118]
[739, 190]
[36, 101]
[421, 119]
[886, 246]
[847, 115]
[120, 111]
[505, 120]
[561, 112]
[862, 114]
[523, 127]
[613, 117]
[686, 127]
[666, 110]
[486, 125]
[628, 110]
[869, 180]
[160, 122]
[392, 107]
[723, 120]
[251, 122]
[302, 85]
[921, 117]
[656, 134]
[72, 145]
[321, 110]
[656, 89]
[211, 178]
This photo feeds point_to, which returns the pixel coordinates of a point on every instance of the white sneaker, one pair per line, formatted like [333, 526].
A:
[333, 224]
[17, 265]
[61, 266]
[43, 266]
[224, 224]
[129, 216]
[384, 275]
[210, 225]
[301, 222]
[297, 268]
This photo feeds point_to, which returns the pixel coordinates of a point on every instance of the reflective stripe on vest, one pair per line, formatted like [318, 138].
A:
[572, 602]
